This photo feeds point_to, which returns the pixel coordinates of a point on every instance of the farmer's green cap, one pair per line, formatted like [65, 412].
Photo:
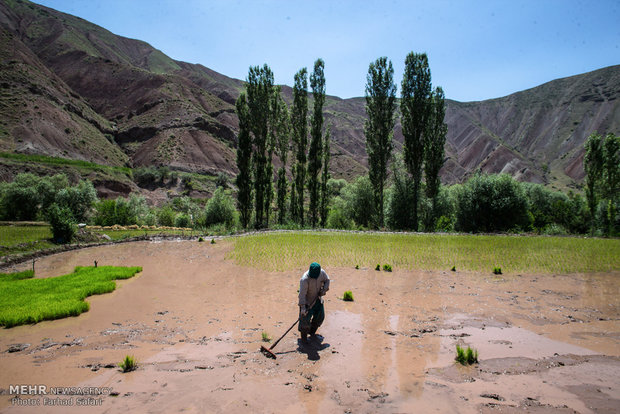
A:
[315, 270]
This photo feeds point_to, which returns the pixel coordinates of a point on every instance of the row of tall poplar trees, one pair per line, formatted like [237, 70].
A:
[422, 111]
[265, 128]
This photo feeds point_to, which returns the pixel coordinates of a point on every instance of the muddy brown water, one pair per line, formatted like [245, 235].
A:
[193, 320]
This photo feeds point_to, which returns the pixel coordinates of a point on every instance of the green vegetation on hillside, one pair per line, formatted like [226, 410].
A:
[33, 300]
[43, 159]
[515, 254]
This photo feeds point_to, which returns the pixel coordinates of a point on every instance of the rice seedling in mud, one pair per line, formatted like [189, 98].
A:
[128, 364]
[497, 270]
[348, 296]
[387, 268]
[33, 300]
[466, 356]
[477, 253]
[265, 336]
[378, 267]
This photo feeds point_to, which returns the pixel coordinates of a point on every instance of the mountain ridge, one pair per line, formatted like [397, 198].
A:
[75, 90]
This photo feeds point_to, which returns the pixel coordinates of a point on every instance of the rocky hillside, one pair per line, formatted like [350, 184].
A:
[72, 89]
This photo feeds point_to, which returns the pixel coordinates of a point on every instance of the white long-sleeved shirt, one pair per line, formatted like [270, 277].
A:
[310, 289]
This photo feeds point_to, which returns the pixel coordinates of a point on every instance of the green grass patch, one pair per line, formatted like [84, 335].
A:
[13, 235]
[128, 364]
[518, 254]
[34, 300]
[7, 277]
[466, 356]
[347, 296]
[43, 159]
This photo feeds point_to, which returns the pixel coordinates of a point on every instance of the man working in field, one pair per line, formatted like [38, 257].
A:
[312, 286]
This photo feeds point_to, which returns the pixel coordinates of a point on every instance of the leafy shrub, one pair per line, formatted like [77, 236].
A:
[20, 199]
[79, 199]
[387, 267]
[145, 176]
[490, 203]
[221, 180]
[444, 224]
[48, 187]
[220, 209]
[111, 212]
[182, 220]
[337, 218]
[358, 201]
[466, 357]
[166, 216]
[400, 199]
[554, 229]
[62, 223]
[128, 364]
[347, 296]
[187, 183]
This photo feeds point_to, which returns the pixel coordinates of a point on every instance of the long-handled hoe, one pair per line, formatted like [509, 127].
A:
[269, 351]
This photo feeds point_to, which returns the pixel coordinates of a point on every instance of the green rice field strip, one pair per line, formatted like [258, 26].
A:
[24, 238]
[477, 253]
[34, 300]
[26, 274]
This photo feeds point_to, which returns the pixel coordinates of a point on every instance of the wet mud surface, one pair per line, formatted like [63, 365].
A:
[193, 320]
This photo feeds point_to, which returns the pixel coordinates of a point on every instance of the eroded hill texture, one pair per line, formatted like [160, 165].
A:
[72, 89]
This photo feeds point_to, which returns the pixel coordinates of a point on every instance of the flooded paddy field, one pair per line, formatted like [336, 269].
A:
[194, 318]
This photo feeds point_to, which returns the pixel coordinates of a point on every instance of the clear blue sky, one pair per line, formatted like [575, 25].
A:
[477, 49]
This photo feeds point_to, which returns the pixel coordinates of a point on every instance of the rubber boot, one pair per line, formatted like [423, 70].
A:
[304, 338]
[313, 332]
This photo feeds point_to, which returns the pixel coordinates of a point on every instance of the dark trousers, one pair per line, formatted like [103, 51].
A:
[314, 318]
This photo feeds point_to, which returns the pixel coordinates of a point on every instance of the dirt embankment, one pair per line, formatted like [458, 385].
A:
[193, 320]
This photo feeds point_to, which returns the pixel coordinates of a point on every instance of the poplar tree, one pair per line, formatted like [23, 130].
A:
[244, 156]
[325, 176]
[299, 123]
[259, 89]
[317, 83]
[280, 131]
[593, 163]
[434, 141]
[379, 126]
[293, 199]
[415, 108]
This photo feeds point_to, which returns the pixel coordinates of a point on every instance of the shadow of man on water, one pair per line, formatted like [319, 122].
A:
[312, 348]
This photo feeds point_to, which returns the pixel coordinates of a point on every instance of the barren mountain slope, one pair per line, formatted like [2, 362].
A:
[73, 89]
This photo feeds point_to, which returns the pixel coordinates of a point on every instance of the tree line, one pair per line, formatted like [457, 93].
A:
[415, 200]
[266, 128]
